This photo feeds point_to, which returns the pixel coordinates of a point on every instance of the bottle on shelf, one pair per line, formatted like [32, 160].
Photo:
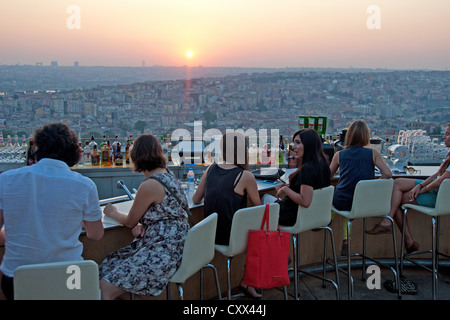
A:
[118, 158]
[104, 151]
[110, 155]
[114, 147]
[87, 153]
[92, 143]
[190, 181]
[127, 152]
[95, 157]
[131, 140]
[131, 147]
[9, 142]
[81, 162]
[2, 141]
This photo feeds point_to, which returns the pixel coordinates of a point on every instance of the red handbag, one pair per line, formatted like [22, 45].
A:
[267, 257]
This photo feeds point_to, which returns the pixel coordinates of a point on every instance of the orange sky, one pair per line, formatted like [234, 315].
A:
[239, 33]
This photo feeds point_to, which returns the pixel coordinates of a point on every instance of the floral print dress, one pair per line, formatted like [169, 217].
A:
[146, 266]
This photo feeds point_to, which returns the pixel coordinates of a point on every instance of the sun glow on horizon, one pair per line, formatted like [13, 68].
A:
[210, 33]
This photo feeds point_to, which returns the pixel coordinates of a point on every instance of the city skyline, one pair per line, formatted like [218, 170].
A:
[403, 34]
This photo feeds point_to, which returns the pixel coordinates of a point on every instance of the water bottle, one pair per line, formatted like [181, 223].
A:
[190, 181]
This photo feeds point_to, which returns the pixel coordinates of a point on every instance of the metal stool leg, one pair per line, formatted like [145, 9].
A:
[336, 269]
[349, 268]
[229, 277]
[296, 259]
[397, 271]
[402, 250]
[364, 253]
[433, 248]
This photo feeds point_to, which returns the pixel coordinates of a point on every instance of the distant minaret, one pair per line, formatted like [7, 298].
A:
[143, 63]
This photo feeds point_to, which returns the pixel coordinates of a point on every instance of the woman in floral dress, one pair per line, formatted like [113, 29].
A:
[158, 222]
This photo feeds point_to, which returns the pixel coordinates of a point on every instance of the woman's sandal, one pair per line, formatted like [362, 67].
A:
[247, 293]
[406, 286]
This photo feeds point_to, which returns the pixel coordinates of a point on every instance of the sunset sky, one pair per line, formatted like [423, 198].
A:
[403, 34]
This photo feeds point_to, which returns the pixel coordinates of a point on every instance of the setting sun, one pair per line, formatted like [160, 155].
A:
[189, 54]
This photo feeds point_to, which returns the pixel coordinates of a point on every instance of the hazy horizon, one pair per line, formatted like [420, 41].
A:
[359, 34]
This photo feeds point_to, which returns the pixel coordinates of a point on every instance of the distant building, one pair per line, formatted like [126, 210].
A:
[54, 63]
[76, 64]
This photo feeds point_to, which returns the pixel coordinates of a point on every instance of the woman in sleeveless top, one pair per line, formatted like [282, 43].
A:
[414, 191]
[158, 222]
[355, 163]
[227, 186]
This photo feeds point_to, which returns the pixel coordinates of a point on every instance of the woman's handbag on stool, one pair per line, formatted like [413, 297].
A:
[267, 257]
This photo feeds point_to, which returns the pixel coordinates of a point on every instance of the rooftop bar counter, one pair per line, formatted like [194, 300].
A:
[117, 236]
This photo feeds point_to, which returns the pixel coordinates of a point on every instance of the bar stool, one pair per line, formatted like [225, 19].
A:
[441, 208]
[372, 199]
[66, 280]
[197, 254]
[317, 216]
[244, 220]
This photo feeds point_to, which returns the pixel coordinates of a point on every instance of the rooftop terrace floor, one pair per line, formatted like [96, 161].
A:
[311, 287]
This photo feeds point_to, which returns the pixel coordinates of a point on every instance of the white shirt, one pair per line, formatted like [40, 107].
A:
[43, 208]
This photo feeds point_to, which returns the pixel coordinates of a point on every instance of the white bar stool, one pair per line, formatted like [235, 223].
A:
[372, 199]
[316, 216]
[441, 208]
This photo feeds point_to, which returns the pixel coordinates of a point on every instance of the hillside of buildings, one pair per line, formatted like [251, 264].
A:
[127, 101]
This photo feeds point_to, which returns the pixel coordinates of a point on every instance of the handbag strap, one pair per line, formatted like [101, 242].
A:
[266, 220]
[183, 204]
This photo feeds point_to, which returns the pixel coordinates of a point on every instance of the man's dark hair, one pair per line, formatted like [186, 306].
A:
[57, 141]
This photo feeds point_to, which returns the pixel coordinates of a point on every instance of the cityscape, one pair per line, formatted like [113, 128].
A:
[123, 101]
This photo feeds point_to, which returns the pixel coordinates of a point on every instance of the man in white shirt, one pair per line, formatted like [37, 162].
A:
[45, 206]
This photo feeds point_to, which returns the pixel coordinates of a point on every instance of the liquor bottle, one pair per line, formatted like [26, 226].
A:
[108, 143]
[87, 153]
[9, 142]
[104, 151]
[114, 147]
[2, 141]
[127, 152]
[95, 157]
[118, 158]
[24, 142]
[16, 142]
[24, 148]
[81, 162]
[92, 143]
[129, 149]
